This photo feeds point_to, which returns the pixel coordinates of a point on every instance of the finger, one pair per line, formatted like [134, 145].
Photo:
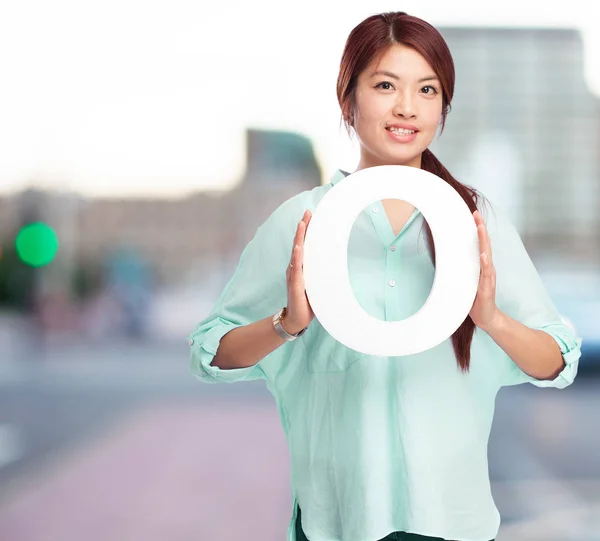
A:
[299, 232]
[296, 261]
[488, 241]
[480, 221]
[486, 278]
[489, 246]
[483, 243]
[300, 236]
[485, 264]
[297, 238]
[306, 220]
[303, 229]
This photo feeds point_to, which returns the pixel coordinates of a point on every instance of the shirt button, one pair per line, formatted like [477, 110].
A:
[392, 283]
[375, 210]
[191, 341]
[393, 247]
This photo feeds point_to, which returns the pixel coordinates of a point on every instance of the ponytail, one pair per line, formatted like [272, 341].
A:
[463, 336]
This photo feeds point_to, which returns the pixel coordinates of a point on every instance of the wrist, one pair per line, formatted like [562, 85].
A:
[290, 331]
[290, 327]
[496, 323]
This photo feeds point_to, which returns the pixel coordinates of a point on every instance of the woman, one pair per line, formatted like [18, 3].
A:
[387, 447]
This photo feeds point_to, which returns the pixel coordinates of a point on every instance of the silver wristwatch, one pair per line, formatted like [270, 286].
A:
[277, 318]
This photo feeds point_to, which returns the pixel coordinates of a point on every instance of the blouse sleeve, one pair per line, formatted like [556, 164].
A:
[256, 290]
[521, 294]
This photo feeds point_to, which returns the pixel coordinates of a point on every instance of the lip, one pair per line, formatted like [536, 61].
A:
[402, 138]
[403, 127]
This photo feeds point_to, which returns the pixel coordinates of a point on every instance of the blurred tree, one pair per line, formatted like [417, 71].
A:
[16, 280]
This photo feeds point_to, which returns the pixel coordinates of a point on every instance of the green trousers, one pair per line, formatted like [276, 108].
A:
[394, 536]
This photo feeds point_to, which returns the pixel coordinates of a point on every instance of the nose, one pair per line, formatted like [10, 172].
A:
[405, 106]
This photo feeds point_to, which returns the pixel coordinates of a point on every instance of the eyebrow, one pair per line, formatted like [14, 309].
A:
[394, 76]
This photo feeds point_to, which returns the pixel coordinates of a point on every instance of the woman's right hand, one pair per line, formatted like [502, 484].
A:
[299, 312]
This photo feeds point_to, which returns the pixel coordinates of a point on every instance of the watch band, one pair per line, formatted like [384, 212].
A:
[277, 318]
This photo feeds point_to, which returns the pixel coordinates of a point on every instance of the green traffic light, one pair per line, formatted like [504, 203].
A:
[37, 244]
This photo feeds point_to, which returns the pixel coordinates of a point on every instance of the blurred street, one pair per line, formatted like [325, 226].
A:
[119, 441]
[136, 169]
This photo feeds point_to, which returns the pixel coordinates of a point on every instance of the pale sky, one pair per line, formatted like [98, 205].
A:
[131, 97]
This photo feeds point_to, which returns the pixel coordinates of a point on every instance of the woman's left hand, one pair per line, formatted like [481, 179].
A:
[484, 308]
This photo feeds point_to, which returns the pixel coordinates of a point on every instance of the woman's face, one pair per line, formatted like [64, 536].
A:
[397, 108]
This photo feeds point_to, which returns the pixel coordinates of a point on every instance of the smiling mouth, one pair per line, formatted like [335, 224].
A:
[400, 131]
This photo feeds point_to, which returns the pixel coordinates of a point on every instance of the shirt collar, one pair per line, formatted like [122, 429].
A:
[337, 176]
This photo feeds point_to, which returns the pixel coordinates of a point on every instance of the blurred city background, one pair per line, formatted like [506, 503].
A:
[140, 154]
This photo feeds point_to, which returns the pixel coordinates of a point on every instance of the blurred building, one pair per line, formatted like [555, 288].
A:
[8, 215]
[184, 239]
[525, 129]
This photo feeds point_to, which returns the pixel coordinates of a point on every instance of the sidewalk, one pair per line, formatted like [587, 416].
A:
[176, 473]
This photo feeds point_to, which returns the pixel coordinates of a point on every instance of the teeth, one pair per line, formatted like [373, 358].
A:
[401, 131]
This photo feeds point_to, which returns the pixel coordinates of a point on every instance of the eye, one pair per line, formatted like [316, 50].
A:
[430, 90]
[384, 83]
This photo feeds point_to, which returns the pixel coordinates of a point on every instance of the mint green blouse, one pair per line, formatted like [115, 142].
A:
[383, 444]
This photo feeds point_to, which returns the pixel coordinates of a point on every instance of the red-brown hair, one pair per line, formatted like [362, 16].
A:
[367, 42]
